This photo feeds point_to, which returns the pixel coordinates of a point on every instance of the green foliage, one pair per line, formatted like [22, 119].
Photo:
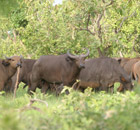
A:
[37, 27]
[6, 6]
[77, 110]
[124, 20]
[43, 28]
[18, 19]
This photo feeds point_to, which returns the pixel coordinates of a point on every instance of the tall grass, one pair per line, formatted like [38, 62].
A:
[75, 111]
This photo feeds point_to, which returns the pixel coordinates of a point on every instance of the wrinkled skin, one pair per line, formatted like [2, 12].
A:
[8, 68]
[58, 70]
[102, 73]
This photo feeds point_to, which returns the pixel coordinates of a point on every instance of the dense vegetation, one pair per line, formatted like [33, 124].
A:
[37, 27]
[76, 111]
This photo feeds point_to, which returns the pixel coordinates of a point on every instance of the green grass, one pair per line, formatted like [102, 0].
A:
[77, 111]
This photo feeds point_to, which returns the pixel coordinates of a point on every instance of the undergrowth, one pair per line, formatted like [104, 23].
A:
[89, 110]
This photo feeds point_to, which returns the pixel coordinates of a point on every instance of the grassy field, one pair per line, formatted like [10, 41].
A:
[89, 110]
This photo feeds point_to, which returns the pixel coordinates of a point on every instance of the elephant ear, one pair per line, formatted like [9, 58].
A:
[5, 62]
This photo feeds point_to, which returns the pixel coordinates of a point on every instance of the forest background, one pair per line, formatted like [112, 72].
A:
[38, 27]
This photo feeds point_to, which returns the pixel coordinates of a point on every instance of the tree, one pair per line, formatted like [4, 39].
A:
[106, 27]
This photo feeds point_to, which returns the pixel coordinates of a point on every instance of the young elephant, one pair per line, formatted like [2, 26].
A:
[8, 68]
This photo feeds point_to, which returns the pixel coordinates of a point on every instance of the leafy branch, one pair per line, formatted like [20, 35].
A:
[98, 30]
[117, 30]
